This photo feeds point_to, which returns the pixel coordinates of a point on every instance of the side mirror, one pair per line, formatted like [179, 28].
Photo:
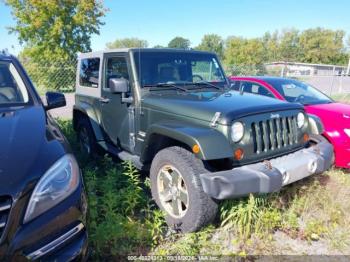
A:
[55, 100]
[118, 85]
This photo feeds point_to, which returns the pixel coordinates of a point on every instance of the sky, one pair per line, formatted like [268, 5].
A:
[158, 21]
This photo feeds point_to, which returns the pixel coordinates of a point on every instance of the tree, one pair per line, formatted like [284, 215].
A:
[56, 29]
[127, 43]
[289, 46]
[271, 45]
[241, 51]
[323, 46]
[213, 43]
[179, 42]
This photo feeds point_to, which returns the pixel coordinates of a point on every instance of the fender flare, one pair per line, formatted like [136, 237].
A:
[87, 110]
[315, 124]
[212, 143]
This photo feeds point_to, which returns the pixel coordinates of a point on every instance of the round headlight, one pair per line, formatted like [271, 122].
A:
[301, 120]
[237, 131]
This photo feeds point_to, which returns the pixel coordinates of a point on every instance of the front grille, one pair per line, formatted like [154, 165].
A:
[5, 207]
[274, 134]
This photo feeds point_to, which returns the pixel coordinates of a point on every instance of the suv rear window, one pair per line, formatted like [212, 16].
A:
[89, 72]
[12, 87]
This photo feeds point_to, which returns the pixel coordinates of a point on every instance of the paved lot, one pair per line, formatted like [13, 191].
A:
[64, 112]
[328, 84]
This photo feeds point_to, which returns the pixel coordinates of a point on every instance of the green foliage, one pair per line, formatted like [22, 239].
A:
[323, 46]
[317, 45]
[127, 43]
[191, 244]
[179, 42]
[121, 217]
[249, 216]
[55, 29]
[156, 222]
[289, 48]
[314, 229]
[240, 51]
[53, 32]
[213, 43]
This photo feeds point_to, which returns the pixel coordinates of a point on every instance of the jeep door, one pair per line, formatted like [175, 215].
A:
[117, 116]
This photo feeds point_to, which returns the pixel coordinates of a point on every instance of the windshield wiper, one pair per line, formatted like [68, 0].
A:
[201, 83]
[165, 85]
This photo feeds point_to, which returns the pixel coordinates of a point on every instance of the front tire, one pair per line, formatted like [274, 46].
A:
[177, 189]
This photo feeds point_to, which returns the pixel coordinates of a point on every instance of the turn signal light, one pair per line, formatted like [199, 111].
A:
[196, 149]
[238, 154]
[306, 137]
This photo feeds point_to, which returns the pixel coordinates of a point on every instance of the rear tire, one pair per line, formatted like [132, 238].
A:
[177, 189]
[86, 139]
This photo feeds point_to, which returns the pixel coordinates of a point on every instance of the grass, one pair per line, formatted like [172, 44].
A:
[307, 217]
[122, 218]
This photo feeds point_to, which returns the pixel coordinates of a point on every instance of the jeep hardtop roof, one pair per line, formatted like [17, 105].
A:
[126, 50]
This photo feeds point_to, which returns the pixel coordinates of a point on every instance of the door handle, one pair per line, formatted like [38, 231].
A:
[104, 100]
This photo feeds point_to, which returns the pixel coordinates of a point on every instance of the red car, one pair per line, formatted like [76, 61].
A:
[335, 116]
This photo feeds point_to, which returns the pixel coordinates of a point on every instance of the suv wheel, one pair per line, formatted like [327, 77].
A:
[177, 189]
[86, 138]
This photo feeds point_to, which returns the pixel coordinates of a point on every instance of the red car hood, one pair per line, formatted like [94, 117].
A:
[332, 115]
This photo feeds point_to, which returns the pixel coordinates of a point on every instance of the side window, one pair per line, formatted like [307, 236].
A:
[89, 72]
[235, 85]
[116, 68]
[257, 89]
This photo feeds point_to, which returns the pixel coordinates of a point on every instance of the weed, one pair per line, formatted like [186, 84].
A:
[314, 229]
[248, 216]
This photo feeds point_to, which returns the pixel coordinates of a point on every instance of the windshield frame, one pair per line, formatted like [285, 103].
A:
[134, 52]
[278, 82]
[33, 97]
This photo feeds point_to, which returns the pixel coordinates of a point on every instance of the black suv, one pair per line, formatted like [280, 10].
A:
[42, 200]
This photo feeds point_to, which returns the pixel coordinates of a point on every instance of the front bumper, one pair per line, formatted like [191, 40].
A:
[268, 176]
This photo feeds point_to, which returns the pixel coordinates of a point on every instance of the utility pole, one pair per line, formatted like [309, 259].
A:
[348, 69]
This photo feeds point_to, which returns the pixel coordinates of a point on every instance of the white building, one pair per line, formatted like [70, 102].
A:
[306, 69]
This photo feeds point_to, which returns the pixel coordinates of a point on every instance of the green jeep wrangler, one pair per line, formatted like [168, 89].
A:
[171, 112]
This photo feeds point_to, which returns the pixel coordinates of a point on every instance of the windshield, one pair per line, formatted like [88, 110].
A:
[177, 68]
[300, 92]
[12, 87]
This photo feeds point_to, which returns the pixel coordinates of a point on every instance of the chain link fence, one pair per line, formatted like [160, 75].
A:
[52, 75]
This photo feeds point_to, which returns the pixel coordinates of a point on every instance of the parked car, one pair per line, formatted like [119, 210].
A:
[42, 200]
[334, 115]
[171, 112]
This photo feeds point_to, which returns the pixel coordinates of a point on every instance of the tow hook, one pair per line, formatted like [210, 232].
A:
[317, 150]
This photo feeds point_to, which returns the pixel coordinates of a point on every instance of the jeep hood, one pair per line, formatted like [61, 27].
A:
[27, 149]
[203, 105]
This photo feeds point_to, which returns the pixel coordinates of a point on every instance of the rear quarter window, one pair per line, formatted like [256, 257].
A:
[89, 72]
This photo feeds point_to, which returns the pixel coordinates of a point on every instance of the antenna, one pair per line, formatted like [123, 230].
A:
[140, 75]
